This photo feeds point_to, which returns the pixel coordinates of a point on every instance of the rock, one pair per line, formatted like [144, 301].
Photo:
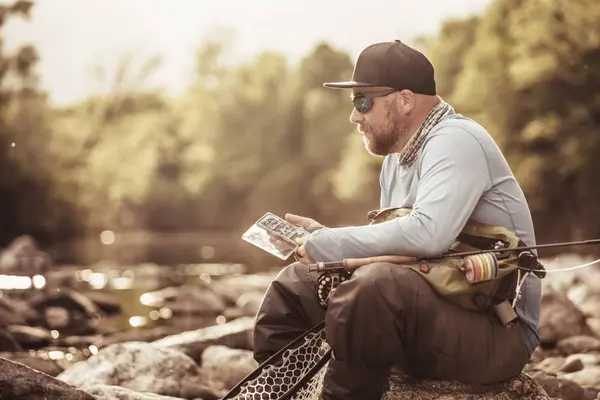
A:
[83, 313]
[234, 286]
[22, 257]
[187, 299]
[225, 366]
[30, 337]
[47, 366]
[586, 297]
[572, 366]
[550, 365]
[106, 302]
[541, 353]
[81, 342]
[9, 317]
[586, 359]
[592, 393]
[201, 388]
[19, 381]
[560, 319]
[594, 324]
[232, 313]
[589, 376]
[64, 357]
[137, 366]
[15, 312]
[401, 387]
[107, 392]
[8, 342]
[236, 334]
[137, 335]
[249, 302]
[578, 344]
[56, 317]
[558, 388]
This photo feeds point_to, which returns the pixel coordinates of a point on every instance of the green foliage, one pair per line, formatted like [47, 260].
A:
[530, 74]
[32, 200]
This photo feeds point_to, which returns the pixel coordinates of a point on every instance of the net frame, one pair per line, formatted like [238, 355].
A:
[289, 381]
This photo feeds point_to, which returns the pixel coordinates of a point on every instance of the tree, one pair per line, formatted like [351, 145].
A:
[530, 75]
[31, 200]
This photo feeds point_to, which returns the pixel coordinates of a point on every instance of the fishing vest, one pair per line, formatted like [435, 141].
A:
[448, 276]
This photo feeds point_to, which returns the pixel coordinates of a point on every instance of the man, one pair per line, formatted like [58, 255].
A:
[447, 169]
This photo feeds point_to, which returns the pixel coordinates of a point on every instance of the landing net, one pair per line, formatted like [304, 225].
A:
[294, 373]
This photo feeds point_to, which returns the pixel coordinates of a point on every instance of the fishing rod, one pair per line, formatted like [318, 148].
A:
[503, 250]
[351, 264]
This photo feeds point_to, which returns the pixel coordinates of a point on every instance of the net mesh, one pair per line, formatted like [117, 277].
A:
[297, 363]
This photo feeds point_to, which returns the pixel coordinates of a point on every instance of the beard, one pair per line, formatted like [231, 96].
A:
[388, 138]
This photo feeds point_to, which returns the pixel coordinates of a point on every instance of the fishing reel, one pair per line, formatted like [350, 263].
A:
[529, 262]
[327, 283]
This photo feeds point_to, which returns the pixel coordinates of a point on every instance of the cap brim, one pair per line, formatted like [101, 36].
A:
[348, 85]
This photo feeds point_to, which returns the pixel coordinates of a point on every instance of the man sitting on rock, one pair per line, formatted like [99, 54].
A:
[447, 169]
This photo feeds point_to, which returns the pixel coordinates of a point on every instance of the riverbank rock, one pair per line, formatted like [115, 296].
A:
[198, 299]
[134, 365]
[560, 319]
[401, 387]
[18, 381]
[30, 337]
[235, 334]
[15, 312]
[68, 310]
[225, 367]
[36, 361]
[106, 392]
[141, 367]
[234, 287]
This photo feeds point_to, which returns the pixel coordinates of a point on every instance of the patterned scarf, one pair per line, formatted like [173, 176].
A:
[412, 149]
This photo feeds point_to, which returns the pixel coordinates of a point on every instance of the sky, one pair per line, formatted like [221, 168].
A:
[75, 37]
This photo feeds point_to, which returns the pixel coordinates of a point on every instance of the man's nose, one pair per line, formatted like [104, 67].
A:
[355, 116]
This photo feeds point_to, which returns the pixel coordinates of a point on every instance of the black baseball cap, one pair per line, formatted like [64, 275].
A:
[393, 64]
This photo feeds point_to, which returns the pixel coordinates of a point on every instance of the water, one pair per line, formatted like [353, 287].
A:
[128, 287]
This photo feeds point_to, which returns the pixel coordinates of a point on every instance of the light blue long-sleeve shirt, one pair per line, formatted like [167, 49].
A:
[460, 174]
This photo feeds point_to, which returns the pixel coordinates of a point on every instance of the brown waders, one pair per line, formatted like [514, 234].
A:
[387, 315]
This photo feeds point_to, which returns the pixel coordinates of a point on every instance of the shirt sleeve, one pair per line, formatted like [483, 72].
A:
[453, 174]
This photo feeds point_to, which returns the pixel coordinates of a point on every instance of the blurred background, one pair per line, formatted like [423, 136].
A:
[141, 136]
[139, 139]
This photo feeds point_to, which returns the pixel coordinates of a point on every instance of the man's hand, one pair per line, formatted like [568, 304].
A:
[310, 225]
[304, 222]
[301, 254]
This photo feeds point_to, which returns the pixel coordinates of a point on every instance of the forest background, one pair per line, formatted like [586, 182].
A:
[136, 175]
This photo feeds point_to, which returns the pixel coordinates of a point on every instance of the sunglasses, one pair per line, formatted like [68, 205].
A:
[364, 101]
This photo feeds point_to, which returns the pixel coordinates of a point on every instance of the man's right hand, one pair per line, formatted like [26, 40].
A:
[307, 223]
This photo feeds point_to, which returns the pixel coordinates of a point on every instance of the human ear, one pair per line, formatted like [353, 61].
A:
[408, 101]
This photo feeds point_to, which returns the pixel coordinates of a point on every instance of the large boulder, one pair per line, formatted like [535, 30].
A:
[18, 381]
[133, 365]
[402, 387]
[141, 367]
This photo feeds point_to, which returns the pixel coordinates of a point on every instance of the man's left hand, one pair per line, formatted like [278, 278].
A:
[301, 254]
